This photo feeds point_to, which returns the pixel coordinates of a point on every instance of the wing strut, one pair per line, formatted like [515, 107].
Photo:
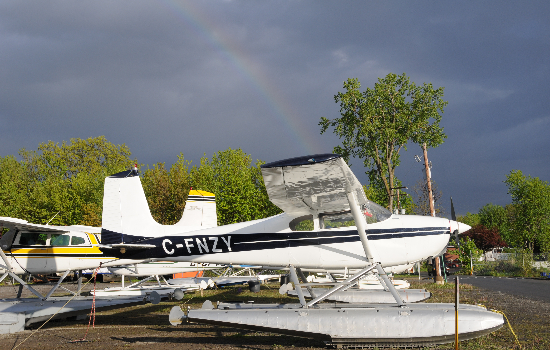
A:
[372, 260]
[362, 231]
[297, 285]
[23, 284]
[361, 225]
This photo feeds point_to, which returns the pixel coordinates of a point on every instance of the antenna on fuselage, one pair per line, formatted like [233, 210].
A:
[53, 217]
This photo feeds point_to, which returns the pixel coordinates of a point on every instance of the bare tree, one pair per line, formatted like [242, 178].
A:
[422, 201]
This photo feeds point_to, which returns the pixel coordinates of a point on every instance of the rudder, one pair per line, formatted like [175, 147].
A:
[126, 215]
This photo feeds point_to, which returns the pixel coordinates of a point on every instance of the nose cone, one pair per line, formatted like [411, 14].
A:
[455, 225]
[463, 227]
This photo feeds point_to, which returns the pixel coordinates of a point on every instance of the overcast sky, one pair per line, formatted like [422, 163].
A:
[165, 77]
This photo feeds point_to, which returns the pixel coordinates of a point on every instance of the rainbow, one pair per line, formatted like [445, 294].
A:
[228, 49]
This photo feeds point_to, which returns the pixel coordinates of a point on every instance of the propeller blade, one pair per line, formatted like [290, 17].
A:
[453, 216]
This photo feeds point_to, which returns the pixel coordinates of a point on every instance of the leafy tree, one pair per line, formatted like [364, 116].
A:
[497, 217]
[530, 225]
[68, 180]
[375, 125]
[376, 192]
[13, 183]
[167, 190]
[91, 214]
[468, 252]
[238, 185]
[506, 228]
[485, 238]
[65, 179]
[306, 225]
[468, 219]
[492, 216]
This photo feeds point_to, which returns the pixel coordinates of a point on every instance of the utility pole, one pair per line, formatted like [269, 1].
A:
[438, 279]
[428, 180]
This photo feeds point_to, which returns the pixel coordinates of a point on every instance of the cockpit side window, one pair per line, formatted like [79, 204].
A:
[33, 238]
[68, 238]
[60, 240]
[302, 223]
[77, 239]
[372, 212]
[336, 220]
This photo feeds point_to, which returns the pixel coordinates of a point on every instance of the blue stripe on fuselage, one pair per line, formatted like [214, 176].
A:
[168, 246]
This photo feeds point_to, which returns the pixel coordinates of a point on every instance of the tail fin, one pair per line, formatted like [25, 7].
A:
[126, 214]
[200, 210]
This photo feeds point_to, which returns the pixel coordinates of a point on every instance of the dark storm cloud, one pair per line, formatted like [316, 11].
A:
[198, 77]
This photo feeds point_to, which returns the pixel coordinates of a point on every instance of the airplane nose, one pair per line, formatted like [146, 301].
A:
[461, 227]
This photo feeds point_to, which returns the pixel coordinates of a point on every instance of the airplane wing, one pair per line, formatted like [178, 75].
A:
[312, 184]
[20, 224]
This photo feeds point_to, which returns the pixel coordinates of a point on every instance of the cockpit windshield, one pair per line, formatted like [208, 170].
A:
[374, 212]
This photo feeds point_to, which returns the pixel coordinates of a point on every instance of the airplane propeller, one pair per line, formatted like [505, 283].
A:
[453, 217]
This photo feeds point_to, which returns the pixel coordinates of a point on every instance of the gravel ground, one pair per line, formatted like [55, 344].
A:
[147, 327]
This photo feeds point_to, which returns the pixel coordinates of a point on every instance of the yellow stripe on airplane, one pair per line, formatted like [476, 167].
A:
[60, 257]
[55, 250]
[201, 193]
[92, 238]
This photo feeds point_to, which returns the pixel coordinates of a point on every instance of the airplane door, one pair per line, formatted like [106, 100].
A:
[339, 249]
[81, 243]
[30, 251]
[59, 252]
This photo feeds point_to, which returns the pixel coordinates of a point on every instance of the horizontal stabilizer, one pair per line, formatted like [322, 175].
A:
[200, 210]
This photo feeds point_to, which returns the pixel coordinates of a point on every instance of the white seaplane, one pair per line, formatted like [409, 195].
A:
[321, 188]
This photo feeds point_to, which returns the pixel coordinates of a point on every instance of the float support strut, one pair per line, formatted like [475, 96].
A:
[361, 224]
[294, 278]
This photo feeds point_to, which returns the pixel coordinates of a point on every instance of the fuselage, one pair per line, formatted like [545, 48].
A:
[45, 253]
[398, 240]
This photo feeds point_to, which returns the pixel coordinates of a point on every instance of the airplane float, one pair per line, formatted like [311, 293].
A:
[323, 189]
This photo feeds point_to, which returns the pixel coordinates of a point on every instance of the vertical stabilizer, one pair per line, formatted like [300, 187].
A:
[200, 210]
[126, 214]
